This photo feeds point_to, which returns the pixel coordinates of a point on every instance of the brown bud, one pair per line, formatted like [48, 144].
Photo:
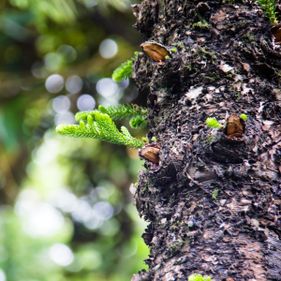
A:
[150, 152]
[155, 51]
[235, 126]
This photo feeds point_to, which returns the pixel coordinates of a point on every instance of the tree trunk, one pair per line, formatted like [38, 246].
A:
[214, 200]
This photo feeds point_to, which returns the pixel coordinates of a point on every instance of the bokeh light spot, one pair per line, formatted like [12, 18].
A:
[74, 84]
[69, 202]
[2, 275]
[108, 48]
[106, 87]
[39, 219]
[103, 210]
[61, 104]
[86, 102]
[54, 83]
[64, 118]
[61, 254]
[124, 83]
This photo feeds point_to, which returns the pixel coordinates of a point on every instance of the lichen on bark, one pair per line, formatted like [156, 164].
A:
[230, 67]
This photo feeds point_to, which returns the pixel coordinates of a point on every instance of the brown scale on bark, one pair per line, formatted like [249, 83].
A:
[213, 202]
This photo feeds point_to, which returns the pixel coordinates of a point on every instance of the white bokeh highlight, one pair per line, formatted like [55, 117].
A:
[61, 254]
[54, 83]
[108, 48]
[39, 219]
[64, 118]
[61, 104]
[92, 214]
[107, 88]
[74, 84]
[2, 275]
[86, 102]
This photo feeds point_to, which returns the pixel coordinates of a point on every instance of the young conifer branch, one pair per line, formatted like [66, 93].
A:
[123, 111]
[136, 114]
[124, 70]
[100, 126]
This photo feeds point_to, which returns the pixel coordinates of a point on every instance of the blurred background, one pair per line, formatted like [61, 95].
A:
[66, 210]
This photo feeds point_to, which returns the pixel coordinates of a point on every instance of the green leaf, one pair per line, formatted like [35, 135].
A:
[213, 123]
[244, 117]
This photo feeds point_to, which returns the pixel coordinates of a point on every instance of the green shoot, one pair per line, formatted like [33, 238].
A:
[173, 50]
[215, 194]
[213, 123]
[124, 70]
[99, 124]
[244, 117]
[199, 277]
[269, 8]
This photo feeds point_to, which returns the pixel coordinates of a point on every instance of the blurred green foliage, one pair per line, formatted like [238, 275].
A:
[66, 210]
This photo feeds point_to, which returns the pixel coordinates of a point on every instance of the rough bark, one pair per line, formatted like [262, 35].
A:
[229, 67]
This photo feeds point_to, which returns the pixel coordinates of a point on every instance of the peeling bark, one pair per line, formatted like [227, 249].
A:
[213, 201]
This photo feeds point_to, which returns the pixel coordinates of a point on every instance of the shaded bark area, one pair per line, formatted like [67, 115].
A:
[213, 202]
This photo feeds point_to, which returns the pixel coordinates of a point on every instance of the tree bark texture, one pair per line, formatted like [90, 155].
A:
[213, 203]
